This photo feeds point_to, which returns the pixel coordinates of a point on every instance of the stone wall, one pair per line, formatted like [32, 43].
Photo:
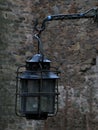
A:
[71, 45]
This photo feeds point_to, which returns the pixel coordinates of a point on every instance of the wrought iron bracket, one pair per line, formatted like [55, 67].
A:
[91, 13]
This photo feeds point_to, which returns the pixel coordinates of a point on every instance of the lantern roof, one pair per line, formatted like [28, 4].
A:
[38, 58]
[38, 75]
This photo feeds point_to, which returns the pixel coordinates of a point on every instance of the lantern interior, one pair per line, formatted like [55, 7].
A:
[38, 96]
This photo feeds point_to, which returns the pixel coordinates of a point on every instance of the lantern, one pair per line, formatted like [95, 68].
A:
[36, 89]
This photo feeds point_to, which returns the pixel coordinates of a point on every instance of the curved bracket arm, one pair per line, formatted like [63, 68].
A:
[92, 13]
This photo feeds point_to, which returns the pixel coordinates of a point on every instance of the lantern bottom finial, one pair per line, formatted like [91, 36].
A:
[41, 116]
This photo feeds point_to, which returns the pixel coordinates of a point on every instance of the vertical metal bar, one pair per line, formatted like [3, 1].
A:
[16, 93]
[17, 89]
[40, 86]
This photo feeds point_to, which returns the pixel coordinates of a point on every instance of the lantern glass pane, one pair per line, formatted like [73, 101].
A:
[48, 101]
[33, 86]
[47, 104]
[23, 90]
[23, 86]
[48, 85]
[32, 102]
[29, 102]
[29, 86]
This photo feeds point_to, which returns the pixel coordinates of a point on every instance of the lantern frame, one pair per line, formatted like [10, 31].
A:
[39, 72]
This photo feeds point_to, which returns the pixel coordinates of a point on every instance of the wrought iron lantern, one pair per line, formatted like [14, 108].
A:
[37, 89]
[37, 84]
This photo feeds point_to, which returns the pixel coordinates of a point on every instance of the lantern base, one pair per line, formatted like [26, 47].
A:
[41, 116]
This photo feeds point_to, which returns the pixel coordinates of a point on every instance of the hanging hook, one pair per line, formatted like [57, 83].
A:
[40, 47]
[42, 28]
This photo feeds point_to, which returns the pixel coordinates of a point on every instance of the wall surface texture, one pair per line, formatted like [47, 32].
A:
[71, 45]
